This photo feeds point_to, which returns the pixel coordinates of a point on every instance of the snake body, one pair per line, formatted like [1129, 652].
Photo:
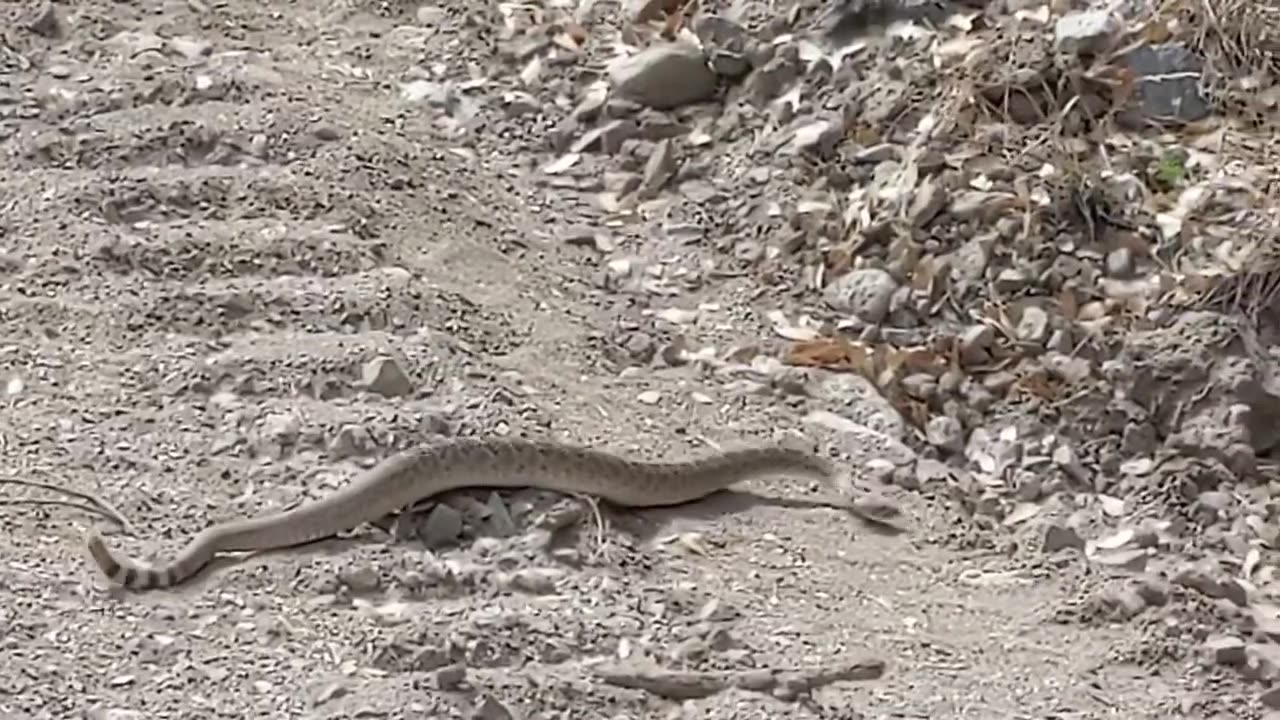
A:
[413, 475]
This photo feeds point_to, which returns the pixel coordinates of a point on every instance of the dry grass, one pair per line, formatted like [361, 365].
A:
[1241, 37]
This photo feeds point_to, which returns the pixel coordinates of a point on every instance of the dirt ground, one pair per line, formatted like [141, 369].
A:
[218, 218]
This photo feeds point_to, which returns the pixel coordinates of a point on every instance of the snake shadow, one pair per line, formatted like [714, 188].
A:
[646, 523]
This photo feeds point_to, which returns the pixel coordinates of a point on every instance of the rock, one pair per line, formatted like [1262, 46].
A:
[281, 427]
[976, 343]
[279, 435]
[865, 293]
[360, 579]
[1071, 369]
[451, 677]
[862, 442]
[1225, 649]
[930, 198]
[818, 137]
[1124, 605]
[999, 382]
[726, 44]
[1120, 263]
[1235, 591]
[332, 691]
[664, 76]
[1154, 591]
[429, 659]
[1028, 486]
[658, 169]
[1169, 80]
[857, 399]
[189, 48]
[1067, 461]
[1262, 661]
[1200, 577]
[945, 432]
[607, 138]
[1033, 325]
[984, 207]
[969, 262]
[1086, 32]
[385, 377]
[621, 183]
[490, 709]
[1058, 537]
[721, 640]
[1139, 439]
[536, 581]
[1271, 698]
[690, 651]
[921, 386]
[775, 76]
[443, 526]
[1214, 504]
[350, 441]
[499, 523]
[45, 21]
[592, 103]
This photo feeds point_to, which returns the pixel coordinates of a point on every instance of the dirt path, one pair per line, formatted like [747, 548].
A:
[218, 219]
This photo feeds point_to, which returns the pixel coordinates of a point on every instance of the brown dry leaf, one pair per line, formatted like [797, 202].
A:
[840, 259]
[1068, 304]
[863, 134]
[577, 33]
[1201, 128]
[671, 25]
[566, 41]
[1038, 384]
[679, 12]
[833, 354]
[657, 9]
[1155, 32]
[915, 411]
[924, 360]
[924, 274]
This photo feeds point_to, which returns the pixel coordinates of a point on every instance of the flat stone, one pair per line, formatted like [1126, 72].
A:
[664, 76]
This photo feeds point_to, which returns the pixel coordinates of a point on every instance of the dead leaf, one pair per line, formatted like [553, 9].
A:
[833, 354]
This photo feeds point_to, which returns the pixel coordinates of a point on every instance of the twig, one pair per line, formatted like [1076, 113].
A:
[100, 506]
[65, 503]
[602, 541]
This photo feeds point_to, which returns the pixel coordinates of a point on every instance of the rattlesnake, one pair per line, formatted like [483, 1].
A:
[412, 475]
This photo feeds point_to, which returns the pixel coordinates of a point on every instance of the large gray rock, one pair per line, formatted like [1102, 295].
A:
[664, 76]
[865, 293]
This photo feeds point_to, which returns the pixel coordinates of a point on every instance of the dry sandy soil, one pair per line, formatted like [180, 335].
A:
[215, 216]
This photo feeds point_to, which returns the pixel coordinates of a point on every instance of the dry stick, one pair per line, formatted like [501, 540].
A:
[602, 541]
[65, 503]
[100, 506]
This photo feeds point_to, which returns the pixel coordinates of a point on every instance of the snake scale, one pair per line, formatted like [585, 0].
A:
[413, 475]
